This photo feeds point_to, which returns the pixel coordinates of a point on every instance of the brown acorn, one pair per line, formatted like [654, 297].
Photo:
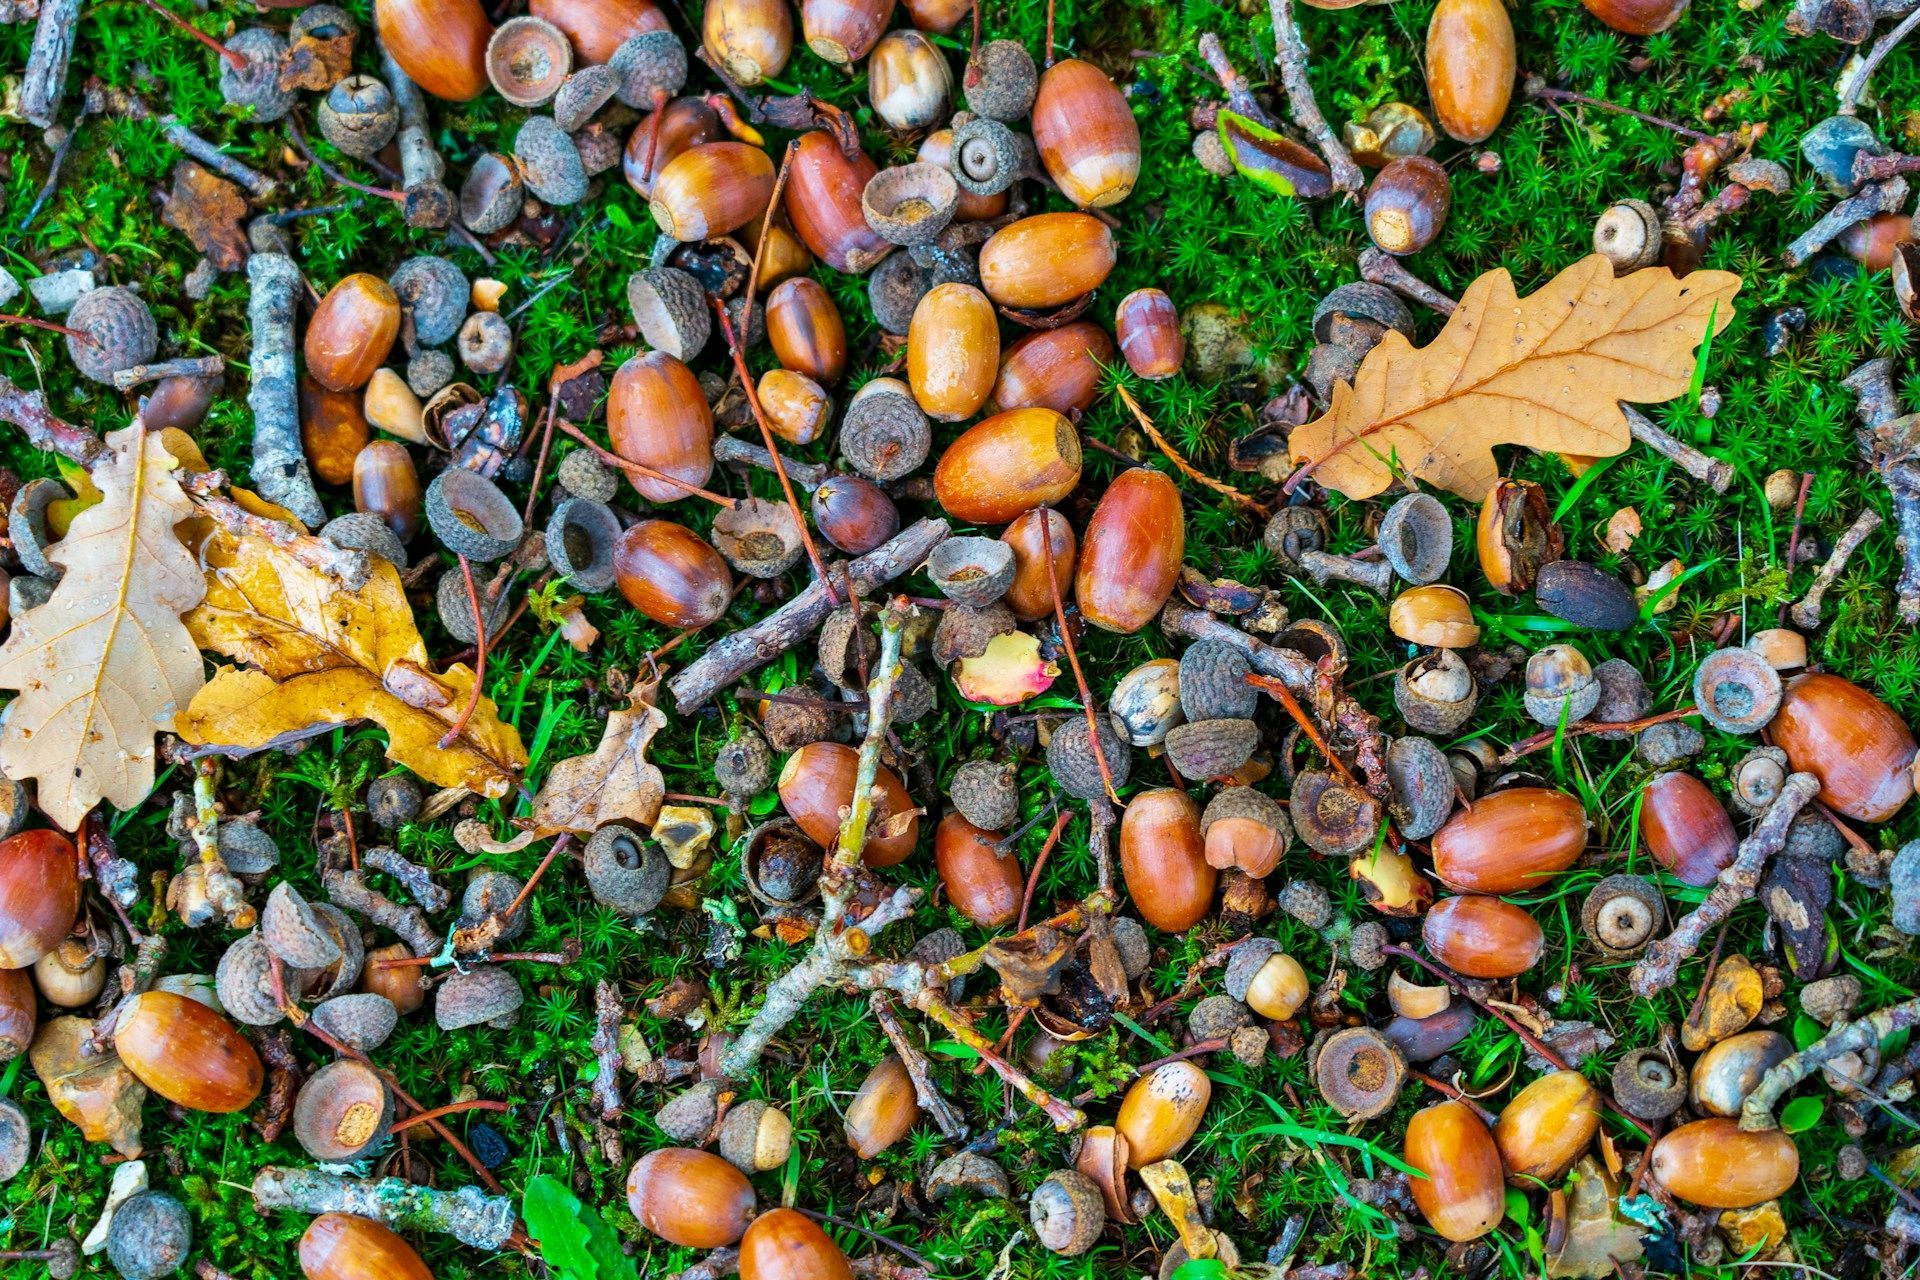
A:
[1686, 828]
[597, 28]
[352, 331]
[340, 1246]
[1516, 535]
[1161, 1111]
[187, 1053]
[711, 190]
[823, 204]
[1148, 326]
[1470, 67]
[1031, 535]
[690, 1198]
[1637, 17]
[953, 349]
[883, 1110]
[752, 39]
[333, 430]
[1482, 936]
[1857, 745]
[1131, 555]
[804, 326]
[783, 1244]
[1548, 1125]
[1046, 260]
[403, 985]
[19, 1013]
[1407, 204]
[440, 44]
[658, 417]
[671, 574]
[982, 880]
[816, 783]
[844, 31]
[1086, 135]
[680, 126]
[1008, 464]
[1463, 1195]
[1163, 860]
[854, 513]
[1718, 1165]
[342, 1112]
[386, 484]
[1512, 841]
[39, 895]
[1058, 369]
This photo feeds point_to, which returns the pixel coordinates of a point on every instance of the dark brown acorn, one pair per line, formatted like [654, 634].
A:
[1407, 204]
[982, 880]
[806, 331]
[598, 27]
[1132, 553]
[385, 484]
[1030, 535]
[672, 574]
[658, 417]
[816, 783]
[1058, 369]
[854, 513]
[1482, 936]
[39, 895]
[1637, 17]
[823, 204]
[681, 125]
[1857, 745]
[1686, 828]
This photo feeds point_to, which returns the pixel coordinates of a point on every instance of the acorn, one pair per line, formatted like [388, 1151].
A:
[1407, 205]
[804, 326]
[1436, 693]
[908, 81]
[1686, 828]
[884, 1108]
[783, 1244]
[1148, 327]
[1462, 1195]
[884, 434]
[1133, 549]
[1048, 259]
[187, 1053]
[358, 115]
[1857, 745]
[953, 350]
[844, 31]
[1579, 593]
[658, 417]
[1013, 462]
[1512, 841]
[1436, 616]
[1070, 756]
[690, 1198]
[598, 28]
[39, 895]
[816, 783]
[824, 187]
[119, 328]
[440, 44]
[1716, 1164]
[1031, 595]
[1622, 913]
[940, 16]
[1637, 17]
[1270, 981]
[19, 1016]
[1163, 859]
[1470, 67]
[1059, 369]
[755, 1137]
[854, 514]
[711, 189]
[1424, 1039]
[663, 135]
[339, 1246]
[70, 975]
[527, 58]
[178, 402]
[1068, 1213]
[352, 331]
[342, 1112]
[1086, 134]
[1000, 81]
[1548, 1125]
[1727, 1072]
[752, 39]
[149, 1236]
[1628, 234]
[672, 575]
[1482, 936]
[1162, 1111]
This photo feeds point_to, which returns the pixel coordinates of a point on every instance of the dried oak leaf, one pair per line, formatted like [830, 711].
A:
[1547, 371]
[106, 662]
[93, 1090]
[615, 783]
[1585, 1237]
[319, 656]
[207, 209]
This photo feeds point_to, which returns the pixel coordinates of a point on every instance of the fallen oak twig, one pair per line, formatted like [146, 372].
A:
[279, 467]
[1546, 737]
[1292, 668]
[1806, 611]
[45, 429]
[1290, 52]
[1890, 442]
[1710, 471]
[469, 1215]
[1862, 1033]
[104, 99]
[1852, 85]
[1389, 272]
[1875, 197]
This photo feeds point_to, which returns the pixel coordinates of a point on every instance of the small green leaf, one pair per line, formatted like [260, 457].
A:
[1806, 1031]
[573, 1239]
[1802, 1114]
[1272, 160]
[1517, 1211]
[1202, 1269]
[619, 217]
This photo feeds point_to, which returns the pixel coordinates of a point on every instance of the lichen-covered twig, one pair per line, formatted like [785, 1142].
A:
[45, 81]
[45, 429]
[1851, 21]
[1240, 97]
[348, 567]
[279, 467]
[104, 99]
[469, 1214]
[1891, 443]
[417, 880]
[224, 890]
[1285, 665]
[932, 1101]
[346, 890]
[183, 367]
[1291, 53]
[1712, 472]
[1806, 611]
[808, 475]
[1852, 85]
[1389, 272]
[1849, 1037]
[1875, 197]
[606, 1048]
[428, 203]
[1659, 967]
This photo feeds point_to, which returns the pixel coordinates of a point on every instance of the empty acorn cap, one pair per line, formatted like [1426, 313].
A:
[492, 195]
[584, 93]
[986, 158]
[968, 1173]
[1331, 817]
[1421, 786]
[1359, 1072]
[758, 537]
[972, 571]
[1622, 913]
[910, 203]
[671, 309]
[471, 517]
[1416, 536]
[550, 164]
[486, 993]
[1737, 690]
[527, 60]
[365, 531]
[486, 342]
[582, 537]
[293, 932]
[626, 871]
[1365, 301]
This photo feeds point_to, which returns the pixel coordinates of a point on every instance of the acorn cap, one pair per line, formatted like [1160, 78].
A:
[582, 537]
[972, 571]
[652, 67]
[527, 59]
[1213, 682]
[986, 157]
[743, 766]
[427, 372]
[358, 116]
[486, 342]
[1211, 748]
[582, 474]
[365, 531]
[392, 802]
[689, 1115]
[293, 932]
[244, 982]
[1245, 802]
[1071, 760]
[122, 330]
[1416, 536]
[985, 793]
[792, 725]
[27, 525]
[493, 194]
[1359, 1072]
[455, 611]
[1623, 696]
[1646, 1084]
[965, 632]
[550, 164]
[1622, 914]
[1068, 1213]
[1000, 81]
[471, 516]
[913, 695]
[884, 434]
[257, 84]
[339, 976]
[1628, 234]
[671, 309]
[1244, 965]
[894, 289]
[1216, 1018]
[1331, 817]
[1421, 786]
[758, 537]
[1293, 531]
[1362, 300]
[488, 893]
[584, 93]
[626, 871]
[1737, 690]
[486, 993]
[968, 1173]
[362, 1019]
[1436, 692]
[910, 203]
[436, 292]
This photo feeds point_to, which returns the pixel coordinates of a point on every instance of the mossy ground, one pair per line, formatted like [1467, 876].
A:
[1202, 239]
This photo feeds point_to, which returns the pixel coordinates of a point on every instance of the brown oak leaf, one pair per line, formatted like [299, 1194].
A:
[1587, 1239]
[1547, 371]
[106, 662]
[616, 783]
[207, 209]
[318, 656]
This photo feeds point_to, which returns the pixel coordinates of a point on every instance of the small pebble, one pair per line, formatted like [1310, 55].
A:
[57, 291]
[487, 1144]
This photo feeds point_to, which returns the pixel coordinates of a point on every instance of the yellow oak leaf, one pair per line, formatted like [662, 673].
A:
[1547, 371]
[106, 662]
[318, 656]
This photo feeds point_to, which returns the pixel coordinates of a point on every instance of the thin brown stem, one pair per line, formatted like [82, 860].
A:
[300, 142]
[1601, 104]
[540, 465]
[1039, 863]
[1073, 659]
[1793, 539]
[234, 60]
[451, 1109]
[459, 726]
[1049, 61]
[1186, 468]
[1527, 746]
[1280, 691]
[33, 322]
[766, 228]
[613, 459]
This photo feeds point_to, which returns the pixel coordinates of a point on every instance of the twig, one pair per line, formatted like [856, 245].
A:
[1712, 472]
[224, 890]
[766, 226]
[1862, 1033]
[428, 203]
[54, 167]
[1806, 611]
[459, 725]
[1290, 52]
[606, 1049]
[417, 879]
[875, 1236]
[104, 99]
[808, 475]
[45, 429]
[34, 322]
[1875, 197]
[1886, 441]
[1389, 272]
[613, 459]
[1659, 967]
[1853, 79]
[1187, 469]
[346, 889]
[184, 367]
[348, 567]
[45, 81]
[1286, 665]
[1546, 737]
[1039, 864]
[452, 1108]
[234, 60]
[1278, 688]
[1240, 98]
[951, 1123]
[279, 467]
[483, 1221]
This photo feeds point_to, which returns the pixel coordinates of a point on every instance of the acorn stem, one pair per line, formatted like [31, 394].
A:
[339, 178]
[1527, 746]
[233, 59]
[1540, 90]
[35, 323]
[613, 459]
[451, 1108]
[1186, 468]
[1039, 862]
[1080, 679]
